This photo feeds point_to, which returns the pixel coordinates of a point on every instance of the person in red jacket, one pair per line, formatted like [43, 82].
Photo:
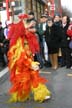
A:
[69, 33]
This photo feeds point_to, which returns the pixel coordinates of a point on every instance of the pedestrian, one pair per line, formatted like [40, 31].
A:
[2, 38]
[52, 38]
[24, 71]
[41, 30]
[58, 23]
[69, 33]
[65, 42]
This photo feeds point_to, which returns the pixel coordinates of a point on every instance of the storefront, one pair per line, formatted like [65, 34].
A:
[23, 6]
[55, 6]
[58, 7]
[38, 6]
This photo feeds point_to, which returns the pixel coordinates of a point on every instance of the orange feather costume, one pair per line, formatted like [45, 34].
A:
[23, 75]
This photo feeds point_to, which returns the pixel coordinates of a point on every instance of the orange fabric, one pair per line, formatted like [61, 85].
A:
[22, 77]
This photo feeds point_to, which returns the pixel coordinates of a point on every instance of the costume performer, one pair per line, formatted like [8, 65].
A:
[24, 72]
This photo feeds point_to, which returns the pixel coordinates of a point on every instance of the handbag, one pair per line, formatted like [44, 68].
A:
[70, 44]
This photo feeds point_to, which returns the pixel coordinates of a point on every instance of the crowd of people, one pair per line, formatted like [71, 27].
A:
[30, 45]
[54, 32]
[53, 40]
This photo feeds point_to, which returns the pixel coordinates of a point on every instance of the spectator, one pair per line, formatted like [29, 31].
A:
[58, 23]
[52, 37]
[65, 43]
[2, 38]
[41, 31]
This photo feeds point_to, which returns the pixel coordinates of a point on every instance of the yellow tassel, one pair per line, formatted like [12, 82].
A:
[15, 98]
[40, 92]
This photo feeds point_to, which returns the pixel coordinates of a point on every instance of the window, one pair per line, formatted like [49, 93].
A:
[1, 4]
[17, 3]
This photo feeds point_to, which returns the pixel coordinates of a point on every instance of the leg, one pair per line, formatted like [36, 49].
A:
[51, 59]
[55, 60]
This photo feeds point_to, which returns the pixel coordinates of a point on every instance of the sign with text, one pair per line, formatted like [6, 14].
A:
[52, 7]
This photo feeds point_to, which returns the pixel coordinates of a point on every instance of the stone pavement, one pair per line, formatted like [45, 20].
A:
[60, 84]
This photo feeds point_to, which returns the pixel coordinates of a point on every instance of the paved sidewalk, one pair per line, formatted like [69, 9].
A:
[3, 72]
[59, 83]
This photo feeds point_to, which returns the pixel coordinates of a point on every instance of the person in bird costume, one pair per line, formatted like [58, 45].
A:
[24, 71]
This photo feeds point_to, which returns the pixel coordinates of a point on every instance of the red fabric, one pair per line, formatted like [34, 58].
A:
[16, 31]
[23, 16]
[21, 74]
[69, 33]
[33, 42]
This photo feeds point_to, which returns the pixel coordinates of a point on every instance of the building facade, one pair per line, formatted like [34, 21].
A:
[55, 6]
[23, 6]
[58, 7]
[38, 6]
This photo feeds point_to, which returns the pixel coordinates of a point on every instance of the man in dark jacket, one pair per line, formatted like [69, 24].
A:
[66, 51]
[53, 38]
[2, 37]
[41, 30]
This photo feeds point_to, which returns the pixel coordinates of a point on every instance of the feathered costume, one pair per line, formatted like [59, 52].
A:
[23, 76]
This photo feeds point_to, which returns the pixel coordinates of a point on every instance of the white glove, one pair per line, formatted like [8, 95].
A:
[35, 66]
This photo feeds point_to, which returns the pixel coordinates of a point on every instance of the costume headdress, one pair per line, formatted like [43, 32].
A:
[23, 16]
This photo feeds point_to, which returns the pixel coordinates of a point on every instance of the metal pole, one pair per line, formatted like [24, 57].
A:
[12, 9]
[7, 9]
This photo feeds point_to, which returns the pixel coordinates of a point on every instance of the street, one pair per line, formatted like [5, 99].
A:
[59, 83]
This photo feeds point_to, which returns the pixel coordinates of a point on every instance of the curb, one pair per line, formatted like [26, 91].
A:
[4, 71]
[3, 74]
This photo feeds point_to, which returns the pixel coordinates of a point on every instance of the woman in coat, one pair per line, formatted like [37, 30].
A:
[53, 38]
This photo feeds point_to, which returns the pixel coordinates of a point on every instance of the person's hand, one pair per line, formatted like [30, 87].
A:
[70, 27]
[1, 44]
[35, 66]
[32, 23]
[33, 30]
[68, 38]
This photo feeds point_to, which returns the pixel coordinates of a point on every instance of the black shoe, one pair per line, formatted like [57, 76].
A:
[68, 67]
[47, 64]
[41, 67]
[62, 65]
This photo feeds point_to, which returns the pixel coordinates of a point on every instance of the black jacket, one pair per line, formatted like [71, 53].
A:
[65, 41]
[53, 36]
[2, 37]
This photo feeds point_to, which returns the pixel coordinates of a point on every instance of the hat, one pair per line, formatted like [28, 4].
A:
[44, 15]
[57, 14]
[32, 19]
[31, 13]
[50, 18]
[23, 16]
